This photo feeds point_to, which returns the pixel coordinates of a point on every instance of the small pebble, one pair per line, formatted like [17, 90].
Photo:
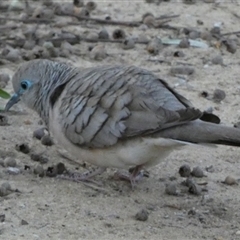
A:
[13, 170]
[217, 60]
[24, 148]
[77, 3]
[118, 34]
[238, 232]
[194, 189]
[128, 43]
[154, 46]
[185, 170]
[3, 120]
[230, 45]
[197, 172]
[47, 140]
[183, 70]
[39, 158]
[149, 21]
[171, 189]
[206, 35]
[13, 55]
[98, 52]
[230, 180]
[199, 22]
[178, 54]
[194, 35]
[218, 95]
[55, 170]
[103, 34]
[10, 162]
[184, 43]
[38, 170]
[4, 77]
[91, 6]
[5, 189]
[142, 215]
[23, 222]
[215, 31]
[210, 169]
[39, 133]
[2, 217]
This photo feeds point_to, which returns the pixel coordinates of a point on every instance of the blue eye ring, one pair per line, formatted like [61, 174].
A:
[25, 85]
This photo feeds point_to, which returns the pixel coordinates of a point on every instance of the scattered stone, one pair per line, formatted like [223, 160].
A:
[215, 31]
[217, 60]
[77, 3]
[154, 46]
[149, 21]
[4, 77]
[230, 45]
[119, 34]
[142, 215]
[210, 169]
[13, 55]
[197, 172]
[24, 148]
[39, 158]
[98, 52]
[178, 54]
[103, 34]
[238, 232]
[218, 95]
[194, 188]
[206, 35]
[171, 189]
[2, 217]
[199, 22]
[38, 170]
[13, 170]
[91, 6]
[23, 222]
[185, 170]
[55, 170]
[47, 140]
[5, 189]
[194, 35]
[10, 162]
[39, 133]
[182, 70]
[128, 43]
[229, 180]
[184, 43]
[3, 120]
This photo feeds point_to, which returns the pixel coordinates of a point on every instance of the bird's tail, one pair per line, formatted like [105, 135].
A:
[203, 132]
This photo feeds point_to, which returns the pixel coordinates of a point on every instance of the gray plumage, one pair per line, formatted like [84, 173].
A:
[101, 114]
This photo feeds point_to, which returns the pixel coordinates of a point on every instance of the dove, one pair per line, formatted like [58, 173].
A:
[122, 117]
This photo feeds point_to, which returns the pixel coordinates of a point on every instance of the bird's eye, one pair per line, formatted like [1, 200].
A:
[24, 85]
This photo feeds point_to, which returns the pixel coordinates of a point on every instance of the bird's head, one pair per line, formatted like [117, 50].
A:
[32, 81]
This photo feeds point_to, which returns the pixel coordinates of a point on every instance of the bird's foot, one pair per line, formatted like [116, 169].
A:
[133, 176]
[82, 177]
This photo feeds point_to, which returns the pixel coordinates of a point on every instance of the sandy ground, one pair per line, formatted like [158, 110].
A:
[58, 209]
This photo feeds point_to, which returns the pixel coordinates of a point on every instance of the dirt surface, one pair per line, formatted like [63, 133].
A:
[50, 208]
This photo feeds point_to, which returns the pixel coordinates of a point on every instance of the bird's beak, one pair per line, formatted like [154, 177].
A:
[13, 100]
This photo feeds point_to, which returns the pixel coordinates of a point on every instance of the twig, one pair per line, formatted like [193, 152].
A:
[230, 33]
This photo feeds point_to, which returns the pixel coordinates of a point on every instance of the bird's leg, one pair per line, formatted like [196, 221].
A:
[82, 177]
[135, 174]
